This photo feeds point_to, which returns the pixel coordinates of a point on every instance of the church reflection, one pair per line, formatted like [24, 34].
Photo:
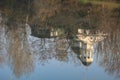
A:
[83, 44]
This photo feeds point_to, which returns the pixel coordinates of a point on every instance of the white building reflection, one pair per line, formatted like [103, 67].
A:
[83, 44]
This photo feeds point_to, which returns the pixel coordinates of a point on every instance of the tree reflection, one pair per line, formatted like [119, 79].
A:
[51, 49]
[2, 60]
[109, 54]
[62, 13]
[52, 44]
[2, 42]
[61, 48]
[108, 51]
[20, 57]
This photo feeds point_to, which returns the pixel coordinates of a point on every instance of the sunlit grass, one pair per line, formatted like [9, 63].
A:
[110, 4]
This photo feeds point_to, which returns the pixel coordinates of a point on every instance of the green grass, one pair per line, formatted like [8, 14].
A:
[110, 4]
[83, 1]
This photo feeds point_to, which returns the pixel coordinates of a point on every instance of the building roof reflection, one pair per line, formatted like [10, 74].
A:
[46, 32]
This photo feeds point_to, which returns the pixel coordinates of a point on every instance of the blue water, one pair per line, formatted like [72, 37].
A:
[36, 60]
[57, 70]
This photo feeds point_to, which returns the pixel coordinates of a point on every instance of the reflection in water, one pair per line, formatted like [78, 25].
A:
[18, 50]
[2, 59]
[84, 44]
[22, 47]
[48, 32]
[61, 48]
[59, 28]
[2, 43]
[109, 53]
[54, 43]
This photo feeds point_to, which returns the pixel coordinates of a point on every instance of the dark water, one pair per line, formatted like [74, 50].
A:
[67, 41]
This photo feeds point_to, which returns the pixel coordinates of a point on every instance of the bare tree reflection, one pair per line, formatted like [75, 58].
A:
[2, 60]
[54, 49]
[20, 57]
[51, 43]
[56, 13]
[2, 41]
[61, 49]
[108, 51]
[109, 54]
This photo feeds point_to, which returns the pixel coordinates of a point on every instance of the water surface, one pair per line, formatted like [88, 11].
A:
[67, 41]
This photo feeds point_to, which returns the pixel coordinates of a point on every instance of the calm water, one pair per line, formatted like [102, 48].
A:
[24, 56]
[59, 42]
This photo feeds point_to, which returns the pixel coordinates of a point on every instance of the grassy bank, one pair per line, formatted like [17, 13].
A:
[109, 4]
